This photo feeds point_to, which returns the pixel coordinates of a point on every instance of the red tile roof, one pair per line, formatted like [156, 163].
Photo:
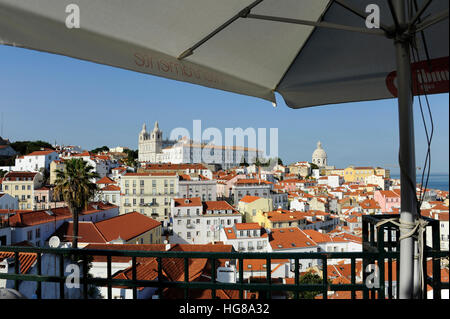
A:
[218, 205]
[187, 202]
[16, 176]
[246, 226]
[26, 260]
[87, 233]
[289, 238]
[29, 218]
[249, 199]
[126, 226]
[105, 180]
[43, 152]
[111, 188]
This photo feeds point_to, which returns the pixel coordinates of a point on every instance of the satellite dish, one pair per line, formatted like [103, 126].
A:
[54, 242]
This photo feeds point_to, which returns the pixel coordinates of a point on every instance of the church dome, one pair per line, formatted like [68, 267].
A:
[319, 155]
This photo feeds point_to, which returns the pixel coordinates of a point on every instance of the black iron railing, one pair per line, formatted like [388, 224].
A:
[382, 252]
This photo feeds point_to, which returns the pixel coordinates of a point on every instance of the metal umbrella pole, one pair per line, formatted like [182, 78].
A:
[408, 215]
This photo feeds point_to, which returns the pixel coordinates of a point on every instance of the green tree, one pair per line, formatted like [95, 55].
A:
[75, 185]
[97, 150]
[27, 147]
[314, 166]
[132, 157]
[311, 279]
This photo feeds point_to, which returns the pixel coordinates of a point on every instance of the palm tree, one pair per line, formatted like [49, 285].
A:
[75, 185]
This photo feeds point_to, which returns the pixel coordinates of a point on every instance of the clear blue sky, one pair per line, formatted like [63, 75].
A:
[50, 97]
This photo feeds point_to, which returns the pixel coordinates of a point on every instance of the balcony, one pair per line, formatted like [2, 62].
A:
[383, 252]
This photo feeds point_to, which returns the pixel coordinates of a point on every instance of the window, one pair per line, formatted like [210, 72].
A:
[188, 234]
[38, 233]
[30, 235]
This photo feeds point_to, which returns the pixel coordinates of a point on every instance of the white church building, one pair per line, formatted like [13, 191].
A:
[153, 149]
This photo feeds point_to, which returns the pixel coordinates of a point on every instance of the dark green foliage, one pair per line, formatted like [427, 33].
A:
[132, 157]
[27, 147]
[97, 150]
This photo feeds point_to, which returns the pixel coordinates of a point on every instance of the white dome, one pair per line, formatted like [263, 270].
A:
[319, 154]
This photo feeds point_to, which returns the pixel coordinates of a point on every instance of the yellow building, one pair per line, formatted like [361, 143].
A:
[280, 219]
[249, 206]
[55, 165]
[149, 193]
[334, 171]
[382, 171]
[21, 185]
[357, 174]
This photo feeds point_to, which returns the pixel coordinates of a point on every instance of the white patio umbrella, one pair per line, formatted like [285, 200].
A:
[312, 52]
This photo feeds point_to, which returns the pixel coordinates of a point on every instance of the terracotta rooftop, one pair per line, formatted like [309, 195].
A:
[187, 202]
[289, 238]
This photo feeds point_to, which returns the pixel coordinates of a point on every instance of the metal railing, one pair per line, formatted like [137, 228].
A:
[383, 240]
[378, 252]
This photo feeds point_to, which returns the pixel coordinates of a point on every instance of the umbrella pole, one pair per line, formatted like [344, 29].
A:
[408, 212]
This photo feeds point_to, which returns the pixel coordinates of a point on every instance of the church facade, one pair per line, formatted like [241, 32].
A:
[153, 149]
[151, 144]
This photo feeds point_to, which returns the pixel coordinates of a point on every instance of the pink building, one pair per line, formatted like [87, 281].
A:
[225, 184]
[387, 200]
[44, 199]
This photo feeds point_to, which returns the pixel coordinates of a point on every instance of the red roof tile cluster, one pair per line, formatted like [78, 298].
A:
[126, 227]
[29, 218]
[19, 176]
[289, 238]
[249, 199]
[105, 180]
[187, 202]
[26, 260]
[218, 205]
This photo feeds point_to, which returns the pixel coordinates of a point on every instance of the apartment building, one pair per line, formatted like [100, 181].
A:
[249, 206]
[36, 161]
[22, 185]
[245, 237]
[196, 185]
[149, 194]
[251, 187]
[195, 221]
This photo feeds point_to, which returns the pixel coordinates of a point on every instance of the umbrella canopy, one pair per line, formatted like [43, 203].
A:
[312, 52]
